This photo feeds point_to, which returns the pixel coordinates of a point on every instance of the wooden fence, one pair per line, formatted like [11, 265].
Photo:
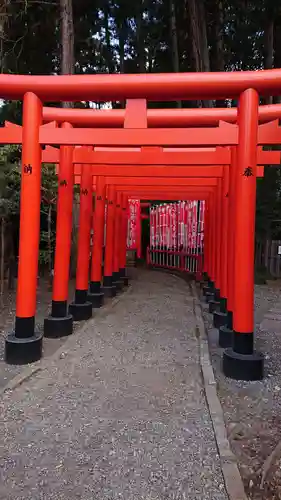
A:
[268, 256]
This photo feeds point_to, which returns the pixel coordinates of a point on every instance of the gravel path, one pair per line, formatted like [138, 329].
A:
[7, 321]
[252, 409]
[122, 415]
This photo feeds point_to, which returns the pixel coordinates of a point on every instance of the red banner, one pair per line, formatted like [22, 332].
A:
[134, 226]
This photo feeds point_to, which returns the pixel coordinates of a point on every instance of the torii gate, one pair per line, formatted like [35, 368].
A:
[52, 155]
[240, 361]
[95, 293]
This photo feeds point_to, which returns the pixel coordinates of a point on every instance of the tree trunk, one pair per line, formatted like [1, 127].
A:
[67, 41]
[3, 22]
[198, 31]
[2, 264]
[174, 40]
[109, 54]
[122, 39]
[268, 48]
[139, 37]
[122, 34]
[50, 250]
[277, 50]
[219, 62]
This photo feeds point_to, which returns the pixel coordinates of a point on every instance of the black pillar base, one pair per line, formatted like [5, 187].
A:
[217, 294]
[80, 312]
[123, 277]
[96, 299]
[81, 296]
[209, 296]
[229, 320]
[119, 285]
[203, 284]
[56, 327]
[243, 366]
[214, 305]
[125, 281]
[107, 281]
[21, 351]
[207, 289]
[225, 337]
[219, 319]
[223, 305]
[115, 276]
[109, 291]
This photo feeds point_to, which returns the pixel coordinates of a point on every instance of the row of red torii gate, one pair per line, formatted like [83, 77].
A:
[209, 159]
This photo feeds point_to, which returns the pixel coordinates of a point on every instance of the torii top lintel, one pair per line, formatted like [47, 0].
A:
[155, 87]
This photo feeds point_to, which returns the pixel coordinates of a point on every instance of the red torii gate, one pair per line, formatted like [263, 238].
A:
[241, 360]
[52, 155]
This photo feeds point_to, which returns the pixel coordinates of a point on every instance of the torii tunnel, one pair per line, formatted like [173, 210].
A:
[201, 164]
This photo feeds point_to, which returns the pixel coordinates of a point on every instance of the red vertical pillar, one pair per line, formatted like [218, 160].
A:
[81, 309]
[218, 238]
[212, 238]
[224, 237]
[206, 241]
[108, 288]
[116, 254]
[123, 239]
[139, 231]
[231, 239]
[215, 304]
[209, 290]
[241, 361]
[60, 323]
[96, 295]
[226, 330]
[24, 345]
[220, 317]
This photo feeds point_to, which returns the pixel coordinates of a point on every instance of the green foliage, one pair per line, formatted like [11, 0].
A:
[9, 181]
[49, 189]
[262, 275]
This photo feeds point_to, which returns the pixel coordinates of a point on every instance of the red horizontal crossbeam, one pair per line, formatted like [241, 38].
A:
[218, 136]
[161, 182]
[80, 156]
[154, 171]
[226, 134]
[171, 196]
[187, 117]
[158, 86]
[219, 157]
[166, 172]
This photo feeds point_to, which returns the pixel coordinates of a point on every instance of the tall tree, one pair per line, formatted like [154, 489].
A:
[140, 36]
[174, 41]
[4, 14]
[198, 30]
[67, 41]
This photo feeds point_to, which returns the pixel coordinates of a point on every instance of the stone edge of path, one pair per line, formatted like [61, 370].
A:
[232, 478]
[29, 371]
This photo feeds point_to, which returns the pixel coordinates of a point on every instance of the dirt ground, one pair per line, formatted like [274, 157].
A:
[253, 410]
[7, 319]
